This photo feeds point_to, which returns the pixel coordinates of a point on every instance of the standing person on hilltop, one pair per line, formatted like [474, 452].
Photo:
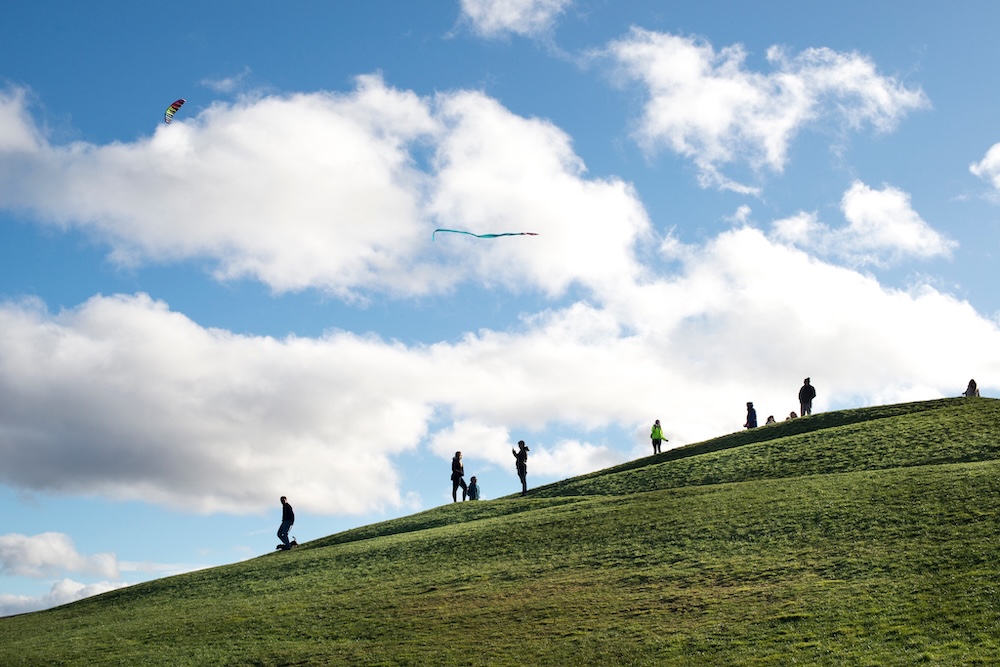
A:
[287, 519]
[458, 477]
[521, 455]
[751, 416]
[971, 390]
[806, 395]
[657, 437]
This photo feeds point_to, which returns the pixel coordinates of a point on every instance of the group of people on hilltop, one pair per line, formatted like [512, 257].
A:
[806, 395]
[471, 491]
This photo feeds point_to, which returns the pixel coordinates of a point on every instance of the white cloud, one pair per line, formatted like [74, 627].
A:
[496, 18]
[498, 171]
[988, 168]
[569, 458]
[62, 592]
[335, 192]
[205, 419]
[705, 105]
[18, 133]
[298, 191]
[227, 84]
[882, 229]
[50, 553]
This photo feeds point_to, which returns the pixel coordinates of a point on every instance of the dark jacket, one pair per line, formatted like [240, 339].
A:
[457, 468]
[807, 393]
[522, 461]
[287, 514]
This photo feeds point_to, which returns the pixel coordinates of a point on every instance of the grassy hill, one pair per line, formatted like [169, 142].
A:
[860, 537]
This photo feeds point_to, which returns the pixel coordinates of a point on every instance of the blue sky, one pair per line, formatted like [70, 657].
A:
[197, 318]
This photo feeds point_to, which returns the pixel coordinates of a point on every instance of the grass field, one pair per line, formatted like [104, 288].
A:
[861, 537]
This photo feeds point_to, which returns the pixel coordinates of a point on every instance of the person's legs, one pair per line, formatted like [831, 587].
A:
[283, 532]
[524, 482]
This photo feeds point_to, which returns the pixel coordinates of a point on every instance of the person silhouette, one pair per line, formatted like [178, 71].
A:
[287, 519]
[458, 477]
[521, 456]
[806, 395]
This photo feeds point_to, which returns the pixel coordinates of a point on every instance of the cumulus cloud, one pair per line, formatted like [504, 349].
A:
[497, 18]
[336, 192]
[227, 84]
[988, 168]
[882, 229]
[50, 553]
[62, 592]
[707, 106]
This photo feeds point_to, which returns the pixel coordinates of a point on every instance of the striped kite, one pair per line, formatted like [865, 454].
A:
[168, 115]
[483, 236]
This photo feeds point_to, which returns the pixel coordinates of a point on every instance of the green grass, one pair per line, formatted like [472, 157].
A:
[861, 537]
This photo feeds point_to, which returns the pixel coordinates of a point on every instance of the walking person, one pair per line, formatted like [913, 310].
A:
[458, 477]
[806, 395]
[657, 436]
[751, 416]
[287, 519]
[521, 455]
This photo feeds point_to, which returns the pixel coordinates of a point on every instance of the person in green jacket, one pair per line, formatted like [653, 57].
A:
[657, 437]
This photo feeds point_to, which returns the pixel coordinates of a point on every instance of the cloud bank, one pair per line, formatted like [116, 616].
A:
[124, 397]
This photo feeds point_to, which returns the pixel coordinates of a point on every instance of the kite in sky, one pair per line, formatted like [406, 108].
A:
[483, 236]
[168, 115]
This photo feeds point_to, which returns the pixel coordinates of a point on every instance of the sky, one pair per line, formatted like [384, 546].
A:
[199, 317]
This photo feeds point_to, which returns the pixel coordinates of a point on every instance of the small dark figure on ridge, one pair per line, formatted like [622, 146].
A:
[751, 416]
[806, 395]
[458, 477]
[521, 455]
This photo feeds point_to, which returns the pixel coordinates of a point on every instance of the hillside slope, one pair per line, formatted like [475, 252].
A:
[865, 537]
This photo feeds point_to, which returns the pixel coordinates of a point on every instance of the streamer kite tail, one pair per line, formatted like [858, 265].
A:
[483, 236]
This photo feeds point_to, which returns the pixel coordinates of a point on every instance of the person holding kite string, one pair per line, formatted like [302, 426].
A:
[521, 456]
[656, 436]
